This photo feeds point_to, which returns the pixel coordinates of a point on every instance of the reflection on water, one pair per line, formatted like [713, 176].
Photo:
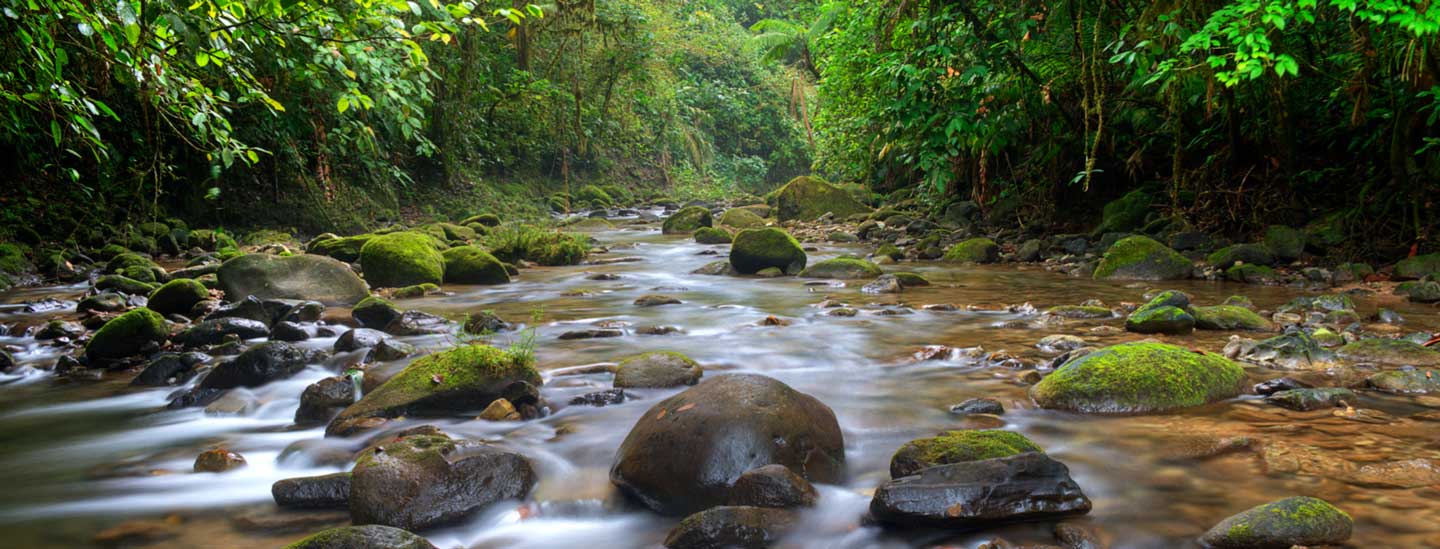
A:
[82, 456]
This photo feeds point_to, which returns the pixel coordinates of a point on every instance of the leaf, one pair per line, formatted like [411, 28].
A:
[202, 58]
[343, 105]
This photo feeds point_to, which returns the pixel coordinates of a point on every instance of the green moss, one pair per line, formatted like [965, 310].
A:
[1080, 311]
[593, 195]
[1252, 274]
[371, 536]
[12, 260]
[472, 265]
[806, 198]
[127, 334]
[178, 296]
[1141, 258]
[590, 224]
[1253, 254]
[1417, 267]
[128, 259]
[1393, 352]
[418, 290]
[891, 251]
[124, 284]
[512, 243]
[345, 249]
[153, 228]
[1125, 213]
[713, 235]
[1294, 521]
[267, 236]
[401, 259]
[1228, 317]
[1160, 319]
[1139, 378]
[741, 218]
[911, 280]
[486, 219]
[475, 369]
[1285, 243]
[451, 232]
[958, 447]
[975, 250]
[842, 267]
[757, 249]
[687, 220]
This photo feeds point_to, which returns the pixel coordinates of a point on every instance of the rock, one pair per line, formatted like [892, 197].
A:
[473, 265]
[420, 290]
[1030, 251]
[772, 486]
[1229, 318]
[249, 308]
[58, 329]
[757, 249]
[1163, 319]
[259, 365]
[1253, 274]
[216, 331]
[218, 460]
[806, 198]
[169, 369]
[655, 300]
[1284, 242]
[600, 398]
[886, 284]
[448, 382]
[1139, 378]
[401, 259]
[590, 334]
[1279, 384]
[843, 268]
[978, 406]
[288, 331]
[687, 220]
[345, 249]
[425, 480]
[177, 297]
[1405, 382]
[304, 277]
[1294, 521]
[323, 399]
[741, 218]
[731, 527]
[1126, 213]
[372, 536]
[1305, 400]
[105, 302]
[957, 447]
[713, 235]
[975, 250]
[323, 492]
[660, 369]
[1418, 267]
[127, 335]
[1292, 351]
[358, 338]
[500, 410]
[124, 285]
[375, 312]
[1252, 254]
[1029, 486]
[1081, 312]
[685, 453]
[911, 280]
[390, 349]
[1059, 343]
[1389, 352]
[716, 268]
[419, 323]
[1141, 258]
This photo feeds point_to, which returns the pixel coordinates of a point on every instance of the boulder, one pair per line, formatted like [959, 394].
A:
[127, 335]
[473, 265]
[1139, 378]
[304, 277]
[124, 285]
[732, 527]
[425, 480]
[660, 369]
[1405, 382]
[1295, 521]
[978, 406]
[1252, 254]
[843, 268]
[1389, 352]
[323, 399]
[975, 250]
[757, 249]
[358, 338]
[372, 536]
[1164, 314]
[1418, 267]
[1307, 399]
[401, 259]
[1286, 243]
[740, 218]
[259, 365]
[772, 485]
[346, 249]
[177, 297]
[215, 331]
[1126, 213]
[687, 451]
[712, 235]
[1142, 258]
[957, 447]
[375, 313]
[330, 491]
[687, 220]
[169, 369]
[1029, 486]
[806, 198]
[1229, 318]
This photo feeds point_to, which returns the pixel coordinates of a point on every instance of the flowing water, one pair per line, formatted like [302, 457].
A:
[80, 457]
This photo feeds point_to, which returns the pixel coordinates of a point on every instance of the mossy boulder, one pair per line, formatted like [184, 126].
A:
[402, 259]
[975, 250]
[178, 296]
[1286, 243]
[127, 335]
[448, 382]
[129, 260]
[806, 198]
[1253, 254]
[485, 219]
[713, 235]
[1126, 213]
[1389, 352]
[1080, 312]
[957, 447]
[1139, 378]
[1228, 317]
[369, 536]
[1290, 522]
[843, 268]
[1163, 319]
[687, 220]
[594, 196]
[741, 218]
[1253, 274]
[418, 290]
[375, 313]
[757, 249]
[303, 277]
[124, 285]
[423, 479]
[345, 249]
[590, 224]
[1405, 382]
[513, 243]
[1417, 267]
[1142, 258]
[473, 265]
[658, 369]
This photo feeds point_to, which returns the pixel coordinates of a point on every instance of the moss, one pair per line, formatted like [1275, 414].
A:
[806, 198]
[127, 334]
[975, 250]
[267, 236]
[401, 259]
[486, 219]
[891, 251]
[1139, 378]
[1125, 213]
[958, 447]
[124, 284]
[590, 224]
[1141, 258]
[480, 370]
[1228, 317]
[1285, 243]
[418, 290]
[595, 196]
[375, 312]
[687, 220]
[1160, 319]
[741, 218]
[455, 233]
[757, 249]
[1293, 521]
[911, 280]
[1393, 352]
[369, 536]
[178, 296]
[842, 267]
[1417, 267]
[345, 249]
[128, 259]
[1080, 311]
[512, 243]
[472, 265]
[12, 260]
[1253, 254]
[713, 235]
[1252, 274]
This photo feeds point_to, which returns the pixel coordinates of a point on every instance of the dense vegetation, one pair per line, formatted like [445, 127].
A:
[1227, 115]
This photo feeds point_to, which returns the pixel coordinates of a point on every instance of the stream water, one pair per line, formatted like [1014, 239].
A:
[80, 457]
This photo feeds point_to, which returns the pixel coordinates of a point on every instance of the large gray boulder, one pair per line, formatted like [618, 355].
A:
[306, 277]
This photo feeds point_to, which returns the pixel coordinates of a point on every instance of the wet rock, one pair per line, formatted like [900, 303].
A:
[305, 311]
[1272, 386]
[259, 365]
[1141, 258]
[772, 486]
[1389, 352]
[372, 536]
[1228, 317]
[217, 330]
[660, 369]
[654, 300]
[590, 334]
[1139, 378]
[390, 349]
[374, 313]
[58, 329]
[400, 259]
[1405, 382]
[1295, 350]
[500, 410]
[359, 338]
[1059, 343]
[426, 480]
[731, 527]
[1307, 399]
[485, 322]
[886, 284]
[178, 296]
[758, 249]
[305, 277]
[139, 532]
[218, 460]
[658, 330]
[322, 492]
[473, 265]
[128, 334]
[716, 268]
[957, 447]
[978, 406]
[104, 302]
[288, 331]
[807, 198]
[1080, 312]
[419, 323]
[600, 398]
[325, 398]
[1028, 486]
[684, 454]
[1164, 314]
[841, 268]
[1295, 521]
[687, 220]
[974, 250]
[1251, 254]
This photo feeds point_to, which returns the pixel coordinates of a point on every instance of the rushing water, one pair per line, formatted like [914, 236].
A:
[80, 457]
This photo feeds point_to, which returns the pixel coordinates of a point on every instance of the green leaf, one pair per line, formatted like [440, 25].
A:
[343, 105]
[202, 58]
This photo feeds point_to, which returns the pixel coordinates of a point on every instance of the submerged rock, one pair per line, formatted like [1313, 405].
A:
[218, 460]
[259, 365]
[1295, 521]
[1139, 378]
[325, 398]
[772, 485]
[1306, 399]
[731, 527]
[660, 369]
[306, 277]
[978, 406]
[425, 480]
[1028, 486]
[1389, 352]
[322, 492]
[843, 268]
[218, 330]
[371, 536]
[1406, 382]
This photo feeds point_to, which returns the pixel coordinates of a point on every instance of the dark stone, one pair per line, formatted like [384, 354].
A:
[422, 481]
[590, 334]
[418, 323]
[1272, 386]
[486, 322]
[1306, 400]
[978, 494]
[730, 528]
[325, 398]
[359, 338]
[323, 492]
[194, 397]
[1296, 521]
[772, 486]
[288, 331]
[169, 369]
[600, 398]
[978, 406]
[104, 302]
[250, 308]
[215, 331]
[371, 536]
[259, 365]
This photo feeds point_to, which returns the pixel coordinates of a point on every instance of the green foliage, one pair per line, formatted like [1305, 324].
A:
[512, 243]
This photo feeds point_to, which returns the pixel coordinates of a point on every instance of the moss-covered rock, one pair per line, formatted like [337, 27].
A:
[486, 219]
[375, 312]
[687, 220]
[975, 250]
[1142, 258]
[1253, 254]
[1309, 399]
[1405, 382]
[1163, 319]
[178, 296]
[891, 251]
[402, 259]
[1290, 522]
[513, 243]
[756, 249]
[1417, 267]
[303, 277]
[957, 447]
[911, 280]
[806, 198]
[589, 224]
[1253, 274]
[713, 235]
[1228, 317]
[124, 285]
[594, 196]
[1389, 352]
[447, 382]
[1139, 378]
[369, 536]
[1285, 243]
[842, 267]
[127, 334]
[473, 265]
[418, 290]
[741, 218]
[345, 249]
[128, 260]
[1126, 213]
[1080, 311]
[658, 369]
